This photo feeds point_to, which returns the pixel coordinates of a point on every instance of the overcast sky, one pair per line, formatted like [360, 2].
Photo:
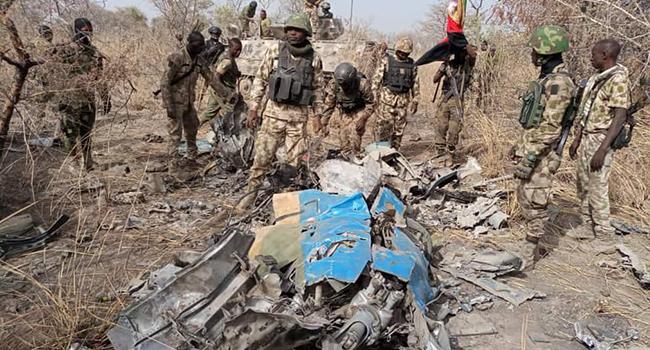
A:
[384, 15]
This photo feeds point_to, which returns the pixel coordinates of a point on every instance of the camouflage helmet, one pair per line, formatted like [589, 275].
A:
[326, 5]
[404, 44]
[549, 40]
[299, 21]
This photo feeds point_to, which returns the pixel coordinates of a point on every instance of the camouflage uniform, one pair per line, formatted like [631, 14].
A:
[448, 123]
[178, 100]
[311, 11]
[245, 18]
[223, 100]
[593, 187]
[344, 122]
[534, 193]
[81, 69]
[393, 107]
[280, 122]
[265, 28]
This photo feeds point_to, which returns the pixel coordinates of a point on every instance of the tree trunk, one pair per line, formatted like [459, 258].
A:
[10, 104]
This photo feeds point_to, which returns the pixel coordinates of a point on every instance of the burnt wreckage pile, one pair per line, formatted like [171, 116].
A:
[336, 271]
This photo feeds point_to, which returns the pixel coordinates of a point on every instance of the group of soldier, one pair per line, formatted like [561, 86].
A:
[247, 16]
[290, 90]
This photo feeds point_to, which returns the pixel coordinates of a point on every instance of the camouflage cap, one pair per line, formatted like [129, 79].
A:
[299, 21]
[404, 44]
[326, 5]
[549, 40]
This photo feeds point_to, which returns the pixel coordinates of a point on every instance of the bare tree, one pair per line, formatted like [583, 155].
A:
[182, 16]
[22, 62]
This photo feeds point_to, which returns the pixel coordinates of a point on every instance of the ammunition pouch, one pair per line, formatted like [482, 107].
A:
[623, 139]
[532, 108]
[399, 76]
[292, 82]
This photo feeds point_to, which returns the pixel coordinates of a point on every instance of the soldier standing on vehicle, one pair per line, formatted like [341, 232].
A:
[448, 121]
[547, 102]
[327, 14]
[227, 75]
[603, 114]
[213, 46]
[178, 87]
[265, 26]
[311, 11]
[82, 68]
[351, 93]
[247, 16]
[397, 85]
[292, 73]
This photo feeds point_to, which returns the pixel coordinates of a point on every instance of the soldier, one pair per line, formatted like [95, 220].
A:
[292, 72]
[602, 116]
[448, 121]
[535, 152]
[398, 87]
[327, 14]
[213, 46]
[82, 69]
[227, 74]
[311, 11]
[246, 17]
[487, 70]
[351, 93]
[178, 87]
[265, 25]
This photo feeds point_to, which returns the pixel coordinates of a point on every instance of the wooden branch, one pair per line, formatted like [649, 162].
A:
[10, 60]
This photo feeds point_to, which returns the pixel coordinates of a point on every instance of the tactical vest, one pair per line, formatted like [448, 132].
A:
[532, 108]
[292, 82]
[233, 74]
[351, 101]
[398, 78]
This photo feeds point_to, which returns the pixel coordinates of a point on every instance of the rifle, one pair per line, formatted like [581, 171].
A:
[624, 137]
[455, 92]
[178, 79]
[570, 116]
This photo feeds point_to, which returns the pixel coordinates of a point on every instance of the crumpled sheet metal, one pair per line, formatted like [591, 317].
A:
[306, 206]
[188, 302]
[345, 178]
[397, 263]
[638, 266]
[387, 200]
[395, 169]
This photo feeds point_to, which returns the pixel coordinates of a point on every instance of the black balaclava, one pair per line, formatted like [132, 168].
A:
[79, 35]
[549, 63]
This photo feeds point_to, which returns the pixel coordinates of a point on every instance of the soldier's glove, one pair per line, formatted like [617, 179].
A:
[107, 105]
[524, 169]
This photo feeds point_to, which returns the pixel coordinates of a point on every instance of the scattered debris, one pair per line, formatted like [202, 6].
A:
[152, 138]
[134, 222]
[45, 142]
[17, 225]
[470, 325]
[12, 245]
[204, 147]
[633, 262]
[623, 228]
[156, 183]
[596, 338]
[234, 142]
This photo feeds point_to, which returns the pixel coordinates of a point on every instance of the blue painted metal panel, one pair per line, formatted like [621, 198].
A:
[419, 283]
[387, 200]
[337, 237]
[397, 263]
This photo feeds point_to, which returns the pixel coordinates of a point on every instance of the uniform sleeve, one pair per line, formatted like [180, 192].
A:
[415, 91]
[369, 97]
[379, 74]
[618, 91]
[214, 81]
[329, 103]
[171, 71]
[558, 93]
[261, 82]
[319, 84]
[224, 66]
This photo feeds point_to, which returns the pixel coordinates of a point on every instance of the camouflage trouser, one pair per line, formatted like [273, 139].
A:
[270, 137]
[534, 194]
[312, 13]
[345, 127]
[186, 121]
[245, 26]
[448, 125]
[593, 187]
[390, 125]
[216, 107]
[76, 126]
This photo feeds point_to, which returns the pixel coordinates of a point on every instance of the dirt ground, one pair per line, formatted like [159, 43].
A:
[71, 291]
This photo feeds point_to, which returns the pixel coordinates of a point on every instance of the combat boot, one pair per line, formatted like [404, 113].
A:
[528, 253]
[581, 232]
